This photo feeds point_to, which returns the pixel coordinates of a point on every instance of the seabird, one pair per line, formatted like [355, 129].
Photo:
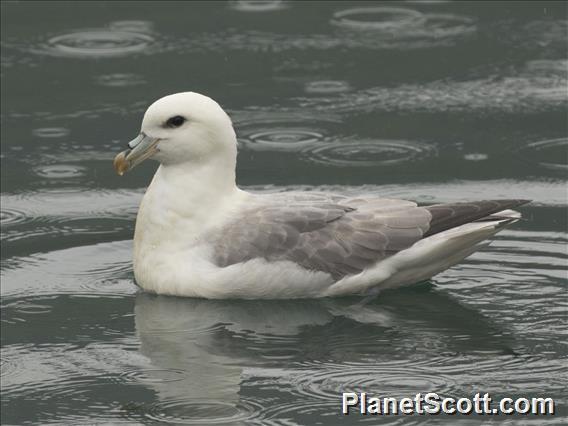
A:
[199, 235]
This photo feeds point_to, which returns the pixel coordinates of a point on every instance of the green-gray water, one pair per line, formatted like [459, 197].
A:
[430, 101]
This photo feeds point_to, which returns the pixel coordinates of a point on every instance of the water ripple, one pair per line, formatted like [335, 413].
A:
[69, 203]
[9, 366]
[547, 35]
[435, 30]
[185, 411]
[133, 26]
[445, 25]
[28, 307]
[330, 380]
[59, 171]
[289, 413]
[378, 18]
[10, 216]
[257, 5]
[548, 67]
[543, 193]
[368, 153]
[97, 43]
[120, 80]
[152, 375]
[100, 269]
[282, 132]
[514, 94]
[327, 86]
[475, 156]
[281, 139]
[278, 354]
[404, 26]
[51, 132]
[62, 213]
[549, 153]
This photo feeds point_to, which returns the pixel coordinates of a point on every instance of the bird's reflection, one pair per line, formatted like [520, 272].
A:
[218, 343]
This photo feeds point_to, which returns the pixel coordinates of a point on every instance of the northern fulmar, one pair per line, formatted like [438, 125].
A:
[199, 235]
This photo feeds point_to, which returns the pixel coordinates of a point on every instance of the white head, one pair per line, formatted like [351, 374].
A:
[182, 128]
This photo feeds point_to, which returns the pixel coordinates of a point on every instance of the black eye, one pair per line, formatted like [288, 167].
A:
[176, 121]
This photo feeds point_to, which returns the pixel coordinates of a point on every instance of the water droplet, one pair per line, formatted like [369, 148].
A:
[59, 171]
[98, 43]
[367, 153]
[475, 156]
[257, 5]
[51, 132]
[327, 86]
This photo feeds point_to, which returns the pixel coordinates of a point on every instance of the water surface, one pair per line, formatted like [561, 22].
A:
[429, 101]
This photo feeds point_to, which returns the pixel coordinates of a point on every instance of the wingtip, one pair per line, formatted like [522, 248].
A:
[501, 223]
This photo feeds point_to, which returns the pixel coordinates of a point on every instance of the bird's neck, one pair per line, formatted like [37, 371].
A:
[192, 185]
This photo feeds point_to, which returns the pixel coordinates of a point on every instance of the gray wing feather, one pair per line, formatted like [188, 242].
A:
[340, 236]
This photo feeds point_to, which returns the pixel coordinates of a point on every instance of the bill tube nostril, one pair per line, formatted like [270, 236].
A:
[140, 148]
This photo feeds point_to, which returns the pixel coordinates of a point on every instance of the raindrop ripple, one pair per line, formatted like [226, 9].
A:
[59, 171]
[120, 80]
[257, 5]
[98, 43]
[367, 153]
[377, 18]
[327, 86]
[183, 411]
[51, 132]
[154, 375]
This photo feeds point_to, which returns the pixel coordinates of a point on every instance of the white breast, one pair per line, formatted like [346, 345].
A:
[172, 253]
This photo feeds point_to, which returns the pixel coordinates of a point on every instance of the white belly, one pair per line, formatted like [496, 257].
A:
[190, 273]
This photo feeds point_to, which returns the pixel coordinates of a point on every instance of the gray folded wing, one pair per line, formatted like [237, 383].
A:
[335, 234]
[339, 236]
